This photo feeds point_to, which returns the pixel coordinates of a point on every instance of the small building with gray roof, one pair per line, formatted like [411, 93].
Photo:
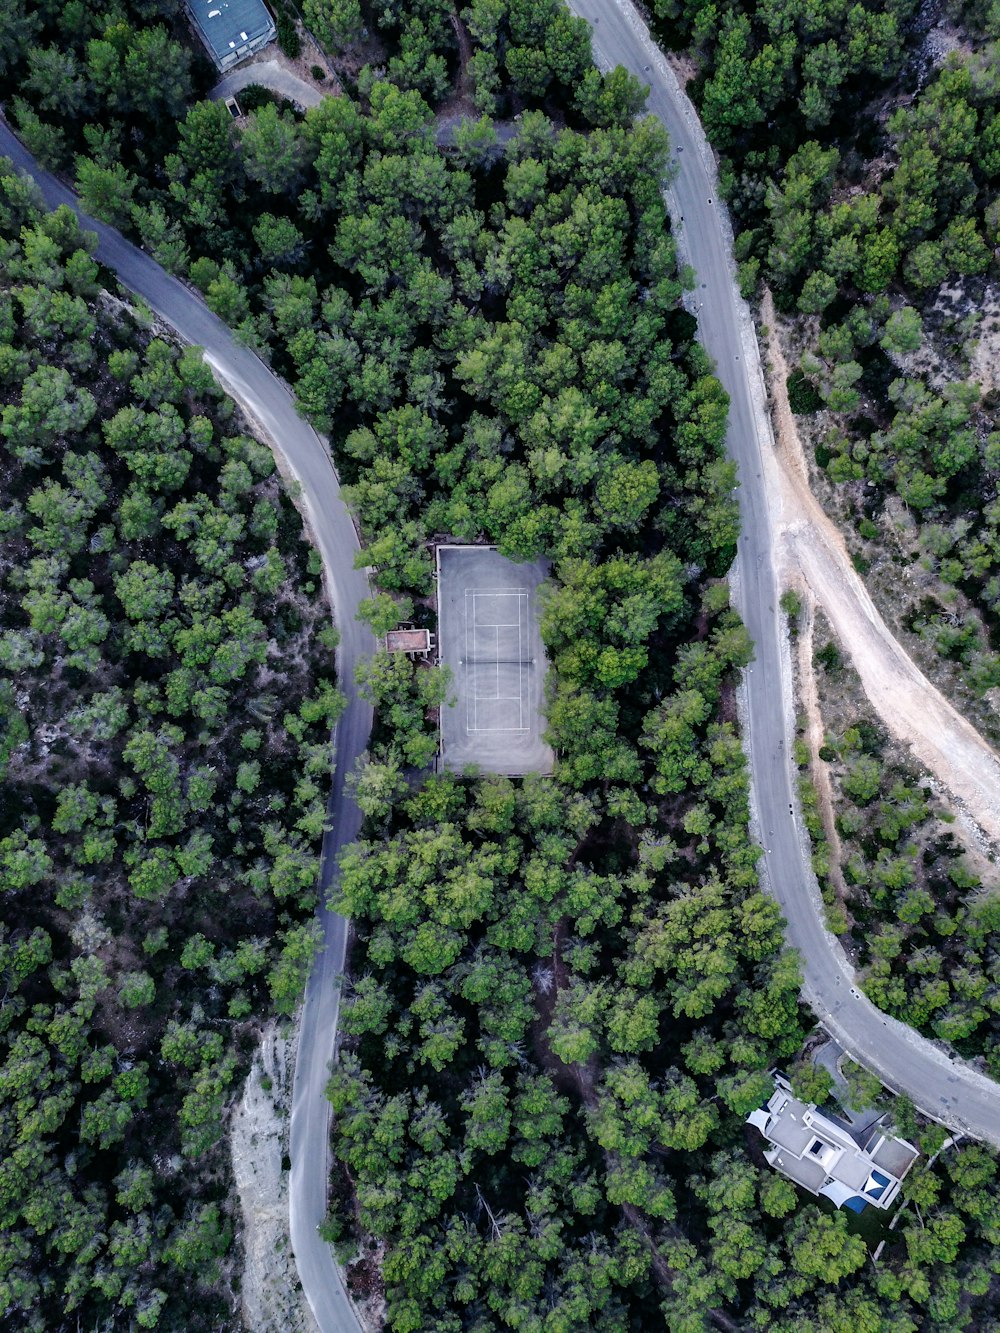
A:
[232, 30]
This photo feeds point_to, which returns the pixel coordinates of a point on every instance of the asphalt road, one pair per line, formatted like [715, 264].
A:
[266, 399]
[944, 1088]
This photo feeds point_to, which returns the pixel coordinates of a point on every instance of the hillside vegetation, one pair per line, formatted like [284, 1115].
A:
[865, 182]
[166, 700]
[566, 992]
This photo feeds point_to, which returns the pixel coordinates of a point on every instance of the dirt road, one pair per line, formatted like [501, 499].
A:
[809, 544]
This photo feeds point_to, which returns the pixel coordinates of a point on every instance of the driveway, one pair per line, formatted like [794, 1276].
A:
[269, 74]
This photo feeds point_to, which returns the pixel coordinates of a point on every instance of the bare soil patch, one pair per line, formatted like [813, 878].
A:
[961, 336]
[311, 55]
[685, 66]
[808, 544]
[984, 363]
[273, 1301]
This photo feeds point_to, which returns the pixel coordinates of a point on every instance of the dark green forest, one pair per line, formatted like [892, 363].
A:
[865, 186]
[565, 992]
[167, 697]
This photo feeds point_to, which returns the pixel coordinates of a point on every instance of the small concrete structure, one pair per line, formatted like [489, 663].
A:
[821, 1153]
[413, 642]
[232, 30]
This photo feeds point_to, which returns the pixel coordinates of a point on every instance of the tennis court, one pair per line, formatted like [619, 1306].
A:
[488, 634]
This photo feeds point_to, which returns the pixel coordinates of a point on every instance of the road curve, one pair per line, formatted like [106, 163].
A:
[944, 1088]
[270, 403]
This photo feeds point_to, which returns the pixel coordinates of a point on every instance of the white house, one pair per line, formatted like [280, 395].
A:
[825, 1156]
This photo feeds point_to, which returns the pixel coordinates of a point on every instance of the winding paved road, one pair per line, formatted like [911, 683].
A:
[942, 1087]
[945, 1089]
[270, 403]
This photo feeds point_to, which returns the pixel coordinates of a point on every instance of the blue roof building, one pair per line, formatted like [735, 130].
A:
[232, 30]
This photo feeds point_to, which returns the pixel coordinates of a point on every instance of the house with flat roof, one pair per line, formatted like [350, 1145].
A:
[413, 642]
[824, 1155]
[232, 30]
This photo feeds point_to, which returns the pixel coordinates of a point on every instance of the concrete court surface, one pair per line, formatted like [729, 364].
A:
[489, 637]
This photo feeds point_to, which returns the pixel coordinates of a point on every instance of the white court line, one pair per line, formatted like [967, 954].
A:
[496, 664]
[474, 696]
[470, 698]
[520, 669]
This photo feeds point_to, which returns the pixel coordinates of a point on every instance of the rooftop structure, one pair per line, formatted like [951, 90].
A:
[232, 29]
[411, 641]
[822, 1154]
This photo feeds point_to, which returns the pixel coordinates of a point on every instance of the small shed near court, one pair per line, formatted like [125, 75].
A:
[232, 30]
[414, 642]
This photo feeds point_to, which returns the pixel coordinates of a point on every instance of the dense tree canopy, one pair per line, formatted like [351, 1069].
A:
[872, 212]
[163, 795]
[566, 991]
